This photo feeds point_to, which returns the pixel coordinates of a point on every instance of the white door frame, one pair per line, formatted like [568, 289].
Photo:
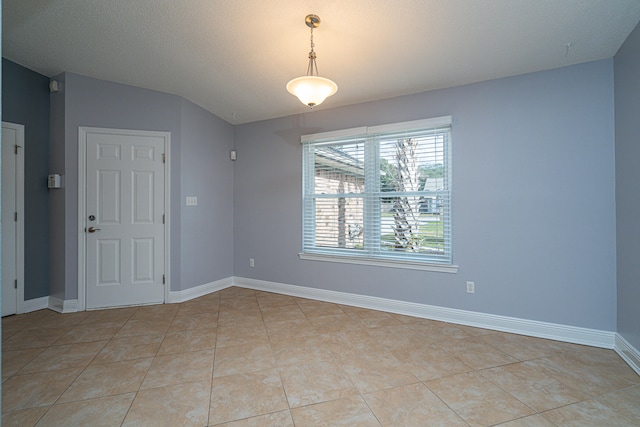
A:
[19, 159]
[82, 198]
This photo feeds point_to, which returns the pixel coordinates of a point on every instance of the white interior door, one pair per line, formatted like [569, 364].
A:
[124, 221]
[12, 218]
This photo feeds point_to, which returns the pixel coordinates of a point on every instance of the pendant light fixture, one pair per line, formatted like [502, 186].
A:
[312, 89]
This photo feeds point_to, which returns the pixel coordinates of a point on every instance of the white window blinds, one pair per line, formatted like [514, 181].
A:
[381, 192]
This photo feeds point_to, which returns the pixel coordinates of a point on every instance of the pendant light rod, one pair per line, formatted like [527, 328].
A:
[312, 89]
[312, 21]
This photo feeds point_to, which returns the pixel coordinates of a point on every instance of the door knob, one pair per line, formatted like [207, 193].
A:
[92, 229]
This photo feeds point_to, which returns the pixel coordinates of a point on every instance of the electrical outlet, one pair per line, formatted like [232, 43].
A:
[192, 201]
[252, 262]
[471, 288]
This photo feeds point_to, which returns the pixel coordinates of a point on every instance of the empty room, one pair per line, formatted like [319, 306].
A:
[320, 213]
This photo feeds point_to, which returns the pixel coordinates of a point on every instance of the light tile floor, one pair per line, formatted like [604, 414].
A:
[241, 358]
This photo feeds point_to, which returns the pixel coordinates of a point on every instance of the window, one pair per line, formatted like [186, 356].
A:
[379, 195]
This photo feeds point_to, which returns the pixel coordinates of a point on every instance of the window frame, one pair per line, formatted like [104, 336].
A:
[371, 137]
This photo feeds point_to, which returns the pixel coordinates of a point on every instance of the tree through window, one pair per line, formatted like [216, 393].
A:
[381, 192]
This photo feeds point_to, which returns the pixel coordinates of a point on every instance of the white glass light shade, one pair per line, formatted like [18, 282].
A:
[312, 90]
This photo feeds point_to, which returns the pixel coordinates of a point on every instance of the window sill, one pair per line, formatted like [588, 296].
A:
[380, 262]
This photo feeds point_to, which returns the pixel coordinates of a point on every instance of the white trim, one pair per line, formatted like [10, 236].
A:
[200, 290]
[370, 130]
[412, 125]
[35, 304]
[167, 214]
[380, 262]
[19, 159]
[82, 174]
[82, 213]
[334, 134]
[572, 334]
[374, 139]
[629, 353]
[20, 224]
[63, 306]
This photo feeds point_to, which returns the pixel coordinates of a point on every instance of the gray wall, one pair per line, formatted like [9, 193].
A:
[534, 208]
[533, 198]
[97, 103]
[627, 125]
[25, 100]
[57, 271]
[207, 229]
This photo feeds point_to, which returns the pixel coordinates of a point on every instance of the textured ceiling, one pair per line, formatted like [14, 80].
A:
[234, 57]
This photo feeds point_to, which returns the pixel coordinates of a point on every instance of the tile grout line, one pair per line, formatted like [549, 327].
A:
[79, 373]
[367, 331]
[213, 364]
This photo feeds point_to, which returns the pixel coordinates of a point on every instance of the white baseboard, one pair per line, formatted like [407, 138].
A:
[63, 306]
[629, 353]
[198, 291]
[35, 304]
[572, 334]
[71, 306]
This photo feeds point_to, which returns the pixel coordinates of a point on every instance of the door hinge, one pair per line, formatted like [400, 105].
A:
[163, 281]
[163, 218]
[164, 158]
[15, 216]
[15, 284]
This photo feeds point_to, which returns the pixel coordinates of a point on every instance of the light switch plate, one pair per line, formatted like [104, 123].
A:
[192, 201]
